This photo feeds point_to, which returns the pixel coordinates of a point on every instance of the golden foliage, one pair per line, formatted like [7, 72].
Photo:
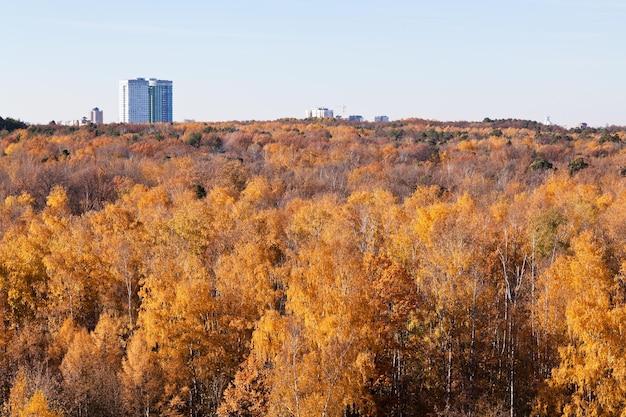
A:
[294, 269]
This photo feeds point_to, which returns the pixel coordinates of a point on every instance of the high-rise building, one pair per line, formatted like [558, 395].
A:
[145, 101]
[96, 116]
[319, 112]
[160, 92]
[134, 102]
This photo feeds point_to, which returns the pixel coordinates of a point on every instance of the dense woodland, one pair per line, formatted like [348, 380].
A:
[313, 268]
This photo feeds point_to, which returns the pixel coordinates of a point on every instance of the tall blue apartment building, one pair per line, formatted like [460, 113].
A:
[145, 101]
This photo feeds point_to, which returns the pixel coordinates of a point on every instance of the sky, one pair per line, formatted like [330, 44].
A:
[446, 60]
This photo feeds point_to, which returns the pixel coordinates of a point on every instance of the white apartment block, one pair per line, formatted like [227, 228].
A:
[96, 116]
[319, 112]
[134, 104]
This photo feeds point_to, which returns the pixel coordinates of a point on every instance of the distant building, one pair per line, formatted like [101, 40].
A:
[160, 92]
[319, 112]
[74, 122]
[145, 101]
[548, 122]
[134, 101]
[96, 116]
[355, 118]
[381, 119]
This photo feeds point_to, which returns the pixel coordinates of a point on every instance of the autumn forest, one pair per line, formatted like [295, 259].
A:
[302, 268]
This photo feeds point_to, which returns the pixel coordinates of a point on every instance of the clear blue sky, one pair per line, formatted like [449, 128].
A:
[264, 60]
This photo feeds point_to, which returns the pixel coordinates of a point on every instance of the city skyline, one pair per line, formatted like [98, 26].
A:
[245, 60]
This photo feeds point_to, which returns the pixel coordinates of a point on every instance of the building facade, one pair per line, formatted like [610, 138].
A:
[134, 101]
[160, 92]
[145, 101]
[319, 112]
[381, 119]
[97, 116]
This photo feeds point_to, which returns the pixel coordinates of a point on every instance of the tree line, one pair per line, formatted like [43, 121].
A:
[292, 268]
[9, 124]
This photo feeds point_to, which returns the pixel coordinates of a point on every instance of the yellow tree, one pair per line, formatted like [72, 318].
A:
[190, 307]
[558, 211]
[320, 352]
[248, 393]
[22, 404]
[38, 406]
[24, 287]
[18, 396]
[592, 374]
[455, 327]
[182, 321]
[516, 336]
[60, 342]
[90, 370]
[76, 372]
[378, 225]
[370, 215]
[392, 301]
[117, 245]
[443, 243]
[141, 377]
[24, 279]
[250, 276]
[250, 280]
[75, 278]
